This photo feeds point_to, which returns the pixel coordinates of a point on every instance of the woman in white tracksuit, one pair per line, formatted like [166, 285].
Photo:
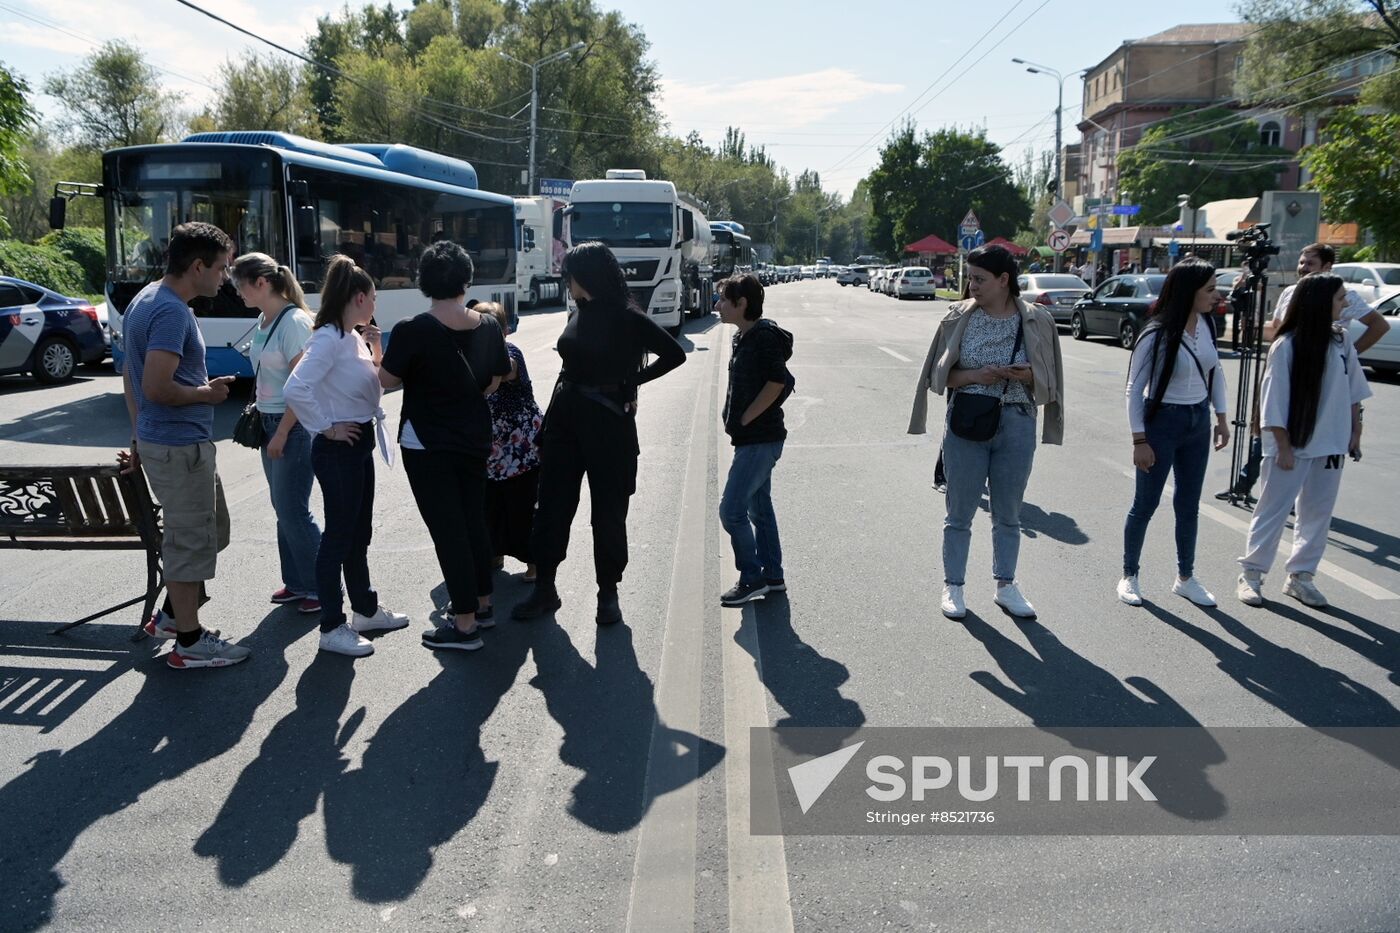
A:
[1311, 419]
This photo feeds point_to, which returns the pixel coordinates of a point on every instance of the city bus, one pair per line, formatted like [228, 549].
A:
[300, 201]
[731, 250]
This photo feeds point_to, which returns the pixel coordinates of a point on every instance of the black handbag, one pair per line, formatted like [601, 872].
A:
[248, 430]
[976, 417]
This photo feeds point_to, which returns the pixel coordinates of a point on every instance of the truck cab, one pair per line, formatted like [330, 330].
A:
[539, 250]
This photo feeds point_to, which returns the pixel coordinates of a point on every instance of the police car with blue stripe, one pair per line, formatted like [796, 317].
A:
[46, 334]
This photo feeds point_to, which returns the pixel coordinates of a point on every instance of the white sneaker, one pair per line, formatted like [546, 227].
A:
[1129, 591]
[1009, 598]
[953, 606]
[382, 621]
[1191, 588]
[1249, 589]
[344, 640]
[1301, 587]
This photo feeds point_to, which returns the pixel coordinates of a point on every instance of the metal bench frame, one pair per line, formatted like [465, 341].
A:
[82, 508]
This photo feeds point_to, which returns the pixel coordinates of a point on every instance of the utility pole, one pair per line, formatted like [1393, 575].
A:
[1049, 72]
[535, 101]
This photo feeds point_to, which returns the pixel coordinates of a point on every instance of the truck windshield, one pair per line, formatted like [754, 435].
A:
[623, 223]
[156, 191]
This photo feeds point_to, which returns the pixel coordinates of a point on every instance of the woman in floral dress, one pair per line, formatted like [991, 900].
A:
[513, 469]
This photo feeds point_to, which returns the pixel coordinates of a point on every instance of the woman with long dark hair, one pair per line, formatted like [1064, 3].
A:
[1174, 383]
[1310, 415]
[335, 392]
[1003, 356]
[590, 427]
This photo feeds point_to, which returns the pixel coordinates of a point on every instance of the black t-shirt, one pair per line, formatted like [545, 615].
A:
[603, 345]
[441, 400]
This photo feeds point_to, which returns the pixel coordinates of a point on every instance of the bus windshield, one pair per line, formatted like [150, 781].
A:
[154, 192]
[623, 223]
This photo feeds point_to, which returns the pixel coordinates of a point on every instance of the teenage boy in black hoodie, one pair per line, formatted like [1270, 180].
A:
[759, 382]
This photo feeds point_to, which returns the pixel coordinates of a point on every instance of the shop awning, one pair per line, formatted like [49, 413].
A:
[1014, 248]
[932, 244]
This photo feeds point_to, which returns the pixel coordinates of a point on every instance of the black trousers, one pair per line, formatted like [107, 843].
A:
[581, 438]
[450, 489]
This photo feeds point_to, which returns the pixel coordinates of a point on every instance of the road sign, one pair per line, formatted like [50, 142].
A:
[1126, 210]
[1173, 247]
[970, 224]
[970, 241]
[1059, 241]
[1061, 213]
[556, 187]
[1096, 240]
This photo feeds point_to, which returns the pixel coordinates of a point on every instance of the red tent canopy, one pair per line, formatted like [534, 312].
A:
[932, 244]
[1003, 241]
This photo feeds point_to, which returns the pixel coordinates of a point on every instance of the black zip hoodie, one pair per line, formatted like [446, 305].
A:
[759, 357]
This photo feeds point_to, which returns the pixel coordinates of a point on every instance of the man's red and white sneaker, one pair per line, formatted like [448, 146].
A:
[284, 595]
[209, 651]
[160, 625]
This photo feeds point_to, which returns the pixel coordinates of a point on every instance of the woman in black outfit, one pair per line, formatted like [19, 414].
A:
[448, 360]
[590, 427]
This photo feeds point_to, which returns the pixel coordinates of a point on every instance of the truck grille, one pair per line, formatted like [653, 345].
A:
[642, 295]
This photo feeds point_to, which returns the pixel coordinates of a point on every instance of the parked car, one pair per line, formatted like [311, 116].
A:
[886, 275]
[1057, 292]
[1384, 356]
[809, 272]
[1225, 281]
[888, 286]
[854, 275]
[46, 334]
[1373, 281]
[1117, 308]
[914, 282]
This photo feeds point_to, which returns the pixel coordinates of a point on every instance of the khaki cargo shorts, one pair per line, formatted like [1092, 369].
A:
[193, 512]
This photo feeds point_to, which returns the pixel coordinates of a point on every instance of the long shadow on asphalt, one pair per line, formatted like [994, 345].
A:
[1375, 643]
[1063, 693]
[46, 695]
[177, 721]
[804, 683]
[1383, 550]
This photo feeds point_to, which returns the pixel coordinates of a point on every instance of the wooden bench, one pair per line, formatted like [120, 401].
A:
[83, 508]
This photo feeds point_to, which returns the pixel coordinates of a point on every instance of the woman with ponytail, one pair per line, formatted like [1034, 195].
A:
[1310, 415]
[335, 392]
[284, 327]
[1174, 383]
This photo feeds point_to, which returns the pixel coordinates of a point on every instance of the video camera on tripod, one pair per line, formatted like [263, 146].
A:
[1258, 249]
[1257, 246]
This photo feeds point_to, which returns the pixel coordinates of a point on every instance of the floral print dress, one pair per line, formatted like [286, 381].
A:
[515, 424]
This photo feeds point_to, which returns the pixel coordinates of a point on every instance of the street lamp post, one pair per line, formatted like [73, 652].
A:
[535, 100]
[1049, 72]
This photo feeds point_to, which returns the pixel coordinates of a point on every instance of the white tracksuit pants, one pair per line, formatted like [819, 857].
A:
[1310, 488]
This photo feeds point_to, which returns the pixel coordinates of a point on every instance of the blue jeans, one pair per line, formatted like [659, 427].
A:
[346, 474]
[1180, 438]
[746, 512]
[289, 483]
[1001, 465]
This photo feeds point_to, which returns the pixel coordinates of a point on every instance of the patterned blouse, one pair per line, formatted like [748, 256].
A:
[988, 342]
[515, 424]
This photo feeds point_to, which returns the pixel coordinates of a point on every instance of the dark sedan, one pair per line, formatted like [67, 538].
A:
[1118, 308]
[45, 333]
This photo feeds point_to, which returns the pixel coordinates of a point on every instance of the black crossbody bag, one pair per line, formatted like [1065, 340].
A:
[248, 430]
[976, 417]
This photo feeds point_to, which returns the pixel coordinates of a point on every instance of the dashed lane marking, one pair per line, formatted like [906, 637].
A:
[899, 356]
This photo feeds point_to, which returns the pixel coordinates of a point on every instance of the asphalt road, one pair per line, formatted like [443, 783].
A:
[570, 779]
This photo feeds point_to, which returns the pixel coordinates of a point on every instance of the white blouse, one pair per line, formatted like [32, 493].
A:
[335, 380]
[1186, 386]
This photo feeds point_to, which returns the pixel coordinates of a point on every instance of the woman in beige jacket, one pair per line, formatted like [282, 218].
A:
[992, 344]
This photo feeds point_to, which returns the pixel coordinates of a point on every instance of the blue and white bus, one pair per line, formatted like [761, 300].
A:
[299, 201]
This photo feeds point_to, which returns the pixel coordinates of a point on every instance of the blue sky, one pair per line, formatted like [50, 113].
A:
[818, 83]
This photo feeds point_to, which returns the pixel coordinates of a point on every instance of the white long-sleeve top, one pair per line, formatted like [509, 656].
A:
[335, 380]
[1343, 385]
[1186, 386]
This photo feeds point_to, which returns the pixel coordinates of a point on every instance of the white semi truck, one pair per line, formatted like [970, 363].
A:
[660, 236]
[539, 251]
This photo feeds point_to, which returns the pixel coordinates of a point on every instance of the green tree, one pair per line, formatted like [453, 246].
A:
[1356, 168]
[26, 207]
[426, 21]
[16, 121]
[1290, 59]
[1183, 155]
[479, 21]
[263, 93]
[114, 99]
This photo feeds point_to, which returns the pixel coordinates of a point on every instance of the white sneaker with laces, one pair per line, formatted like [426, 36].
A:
[382, 621]
[344, 640]
[953, 605]
[1249, 589]
[1191, 588]
[1129, 591]
[1301, 587]
[1009, 598]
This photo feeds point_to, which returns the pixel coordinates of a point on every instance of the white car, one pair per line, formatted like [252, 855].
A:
[914, 282]
[1384, 357]
[853, 275]
[808, 272]
[887, 283]
[1373, 281]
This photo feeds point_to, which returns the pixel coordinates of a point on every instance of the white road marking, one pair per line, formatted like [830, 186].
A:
[1230, 520]
[899, 356]
[828, 320]
[663, 873]
[759, 900]
[30, 435]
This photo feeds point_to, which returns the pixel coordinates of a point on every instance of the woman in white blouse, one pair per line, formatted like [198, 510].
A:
[1174, 384]
[335, 391]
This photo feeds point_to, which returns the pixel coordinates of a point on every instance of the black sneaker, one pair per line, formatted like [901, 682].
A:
[742, 592]
[609, 612]
[446, 637]
[778, 585]
[541, 602]
[486, 618]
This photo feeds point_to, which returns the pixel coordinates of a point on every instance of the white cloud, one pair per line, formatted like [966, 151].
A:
[790, 100]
